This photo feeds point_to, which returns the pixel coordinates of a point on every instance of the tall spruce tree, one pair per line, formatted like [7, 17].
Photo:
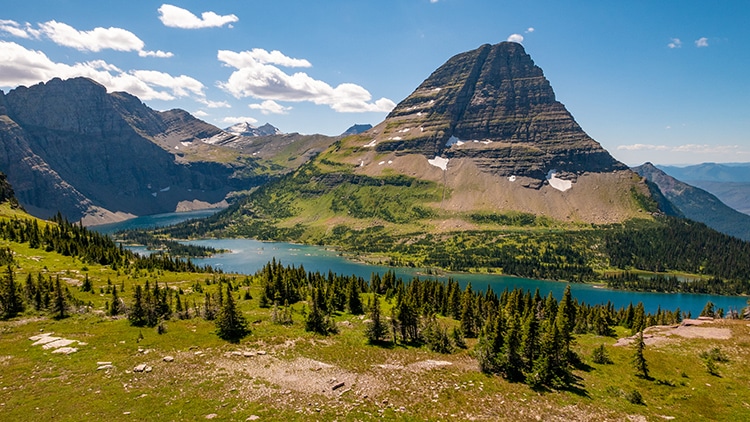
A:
[639, 361]
[11, 302]
[376, 330]
[230, 323]
[137, 314]
[59, 304]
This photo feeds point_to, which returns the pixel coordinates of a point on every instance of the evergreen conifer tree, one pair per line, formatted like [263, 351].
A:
[59, 304]
[137, 314]
[376, 329]
[11, 302]
[639, 361]
[230, 323]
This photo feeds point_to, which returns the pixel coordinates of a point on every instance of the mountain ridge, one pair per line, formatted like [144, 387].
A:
[697, 204]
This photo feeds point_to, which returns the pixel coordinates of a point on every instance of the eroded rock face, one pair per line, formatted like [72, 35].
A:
[70, 146]
[494, 105]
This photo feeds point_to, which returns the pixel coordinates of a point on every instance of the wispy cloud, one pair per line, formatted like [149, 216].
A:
[177, 17]
[701, 42]
[17, 30]
[200, 113]
[256, 76]
[687, 148]
[515, 38]
[21, 66]
[675, 43]
[270, 107]
[530, 29]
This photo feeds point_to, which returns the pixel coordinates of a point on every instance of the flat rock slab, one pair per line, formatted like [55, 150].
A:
[65, 350]
[63, 342]
[40, 336]
[45, 340]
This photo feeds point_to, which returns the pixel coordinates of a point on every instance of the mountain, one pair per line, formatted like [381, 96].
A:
[730, 182]
[246, 129]
[482, 140]
[697, 204]
[70, 146]
[357, 129]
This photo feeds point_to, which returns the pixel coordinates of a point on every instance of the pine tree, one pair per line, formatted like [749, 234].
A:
[114, 307]
[639, 361]
[376, 329]
[315, 320]
[137, 314]
[353, 301]
[230, 323]
[11, 302]
[60, 304]
[86, 286]
[468, 313]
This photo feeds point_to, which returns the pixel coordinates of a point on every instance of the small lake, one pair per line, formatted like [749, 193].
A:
[248, 256]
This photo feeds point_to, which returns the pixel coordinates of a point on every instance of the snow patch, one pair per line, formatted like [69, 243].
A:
[361, 163]
[372, 143]
[165, 189]
[486, 142]
[557, 183]
[512, 178]
[186, 144]
[404, 130]
[395, 138]
[419, 114]
[453, 140]
[390, 161]
[381, 163]
[440, 162]
[154, 194]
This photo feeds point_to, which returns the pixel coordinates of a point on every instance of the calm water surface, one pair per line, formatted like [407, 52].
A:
[247, 256]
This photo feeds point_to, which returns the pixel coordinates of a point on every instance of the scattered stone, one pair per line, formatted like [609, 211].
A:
[125, 413]
[168, 359]
[106, 366]
[248, 354]
[65, 350]
[140, 368]
[63, 342]
[253, 418]
[338, 385]
[211, 415]
[39, 337]
[45, 340]
[104, 363]
[148, 369]
[261, 352]
[236, 353]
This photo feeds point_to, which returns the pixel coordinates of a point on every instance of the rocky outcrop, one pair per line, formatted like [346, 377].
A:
[494, 105]
[357, 129]
[247, 129]
[70, 146]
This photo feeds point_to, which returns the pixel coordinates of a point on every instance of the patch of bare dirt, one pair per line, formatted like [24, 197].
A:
[689, 328]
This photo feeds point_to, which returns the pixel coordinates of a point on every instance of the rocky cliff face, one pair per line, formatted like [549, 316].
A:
[70, 146]
[493, 105]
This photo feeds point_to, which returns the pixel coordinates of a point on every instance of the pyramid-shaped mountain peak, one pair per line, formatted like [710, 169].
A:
[495, 105]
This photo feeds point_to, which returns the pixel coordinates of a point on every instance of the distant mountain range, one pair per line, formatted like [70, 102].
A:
[730, 182]
[697, 204]
[246, 129]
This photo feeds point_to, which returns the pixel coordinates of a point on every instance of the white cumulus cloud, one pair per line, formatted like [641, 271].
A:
[675, 43]
[200, 113]
[21, 66]
[701, 42]
[515, 38]
[177, 17]
[235, 120]
[214, 104]
[97, 39]
[530, 29]
[17, 30]
[270, 107]
[256, 76]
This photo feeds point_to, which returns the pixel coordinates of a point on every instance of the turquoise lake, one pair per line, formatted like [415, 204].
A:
[247, 256]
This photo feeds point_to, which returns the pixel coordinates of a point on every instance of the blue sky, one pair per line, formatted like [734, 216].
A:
[660, 81]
